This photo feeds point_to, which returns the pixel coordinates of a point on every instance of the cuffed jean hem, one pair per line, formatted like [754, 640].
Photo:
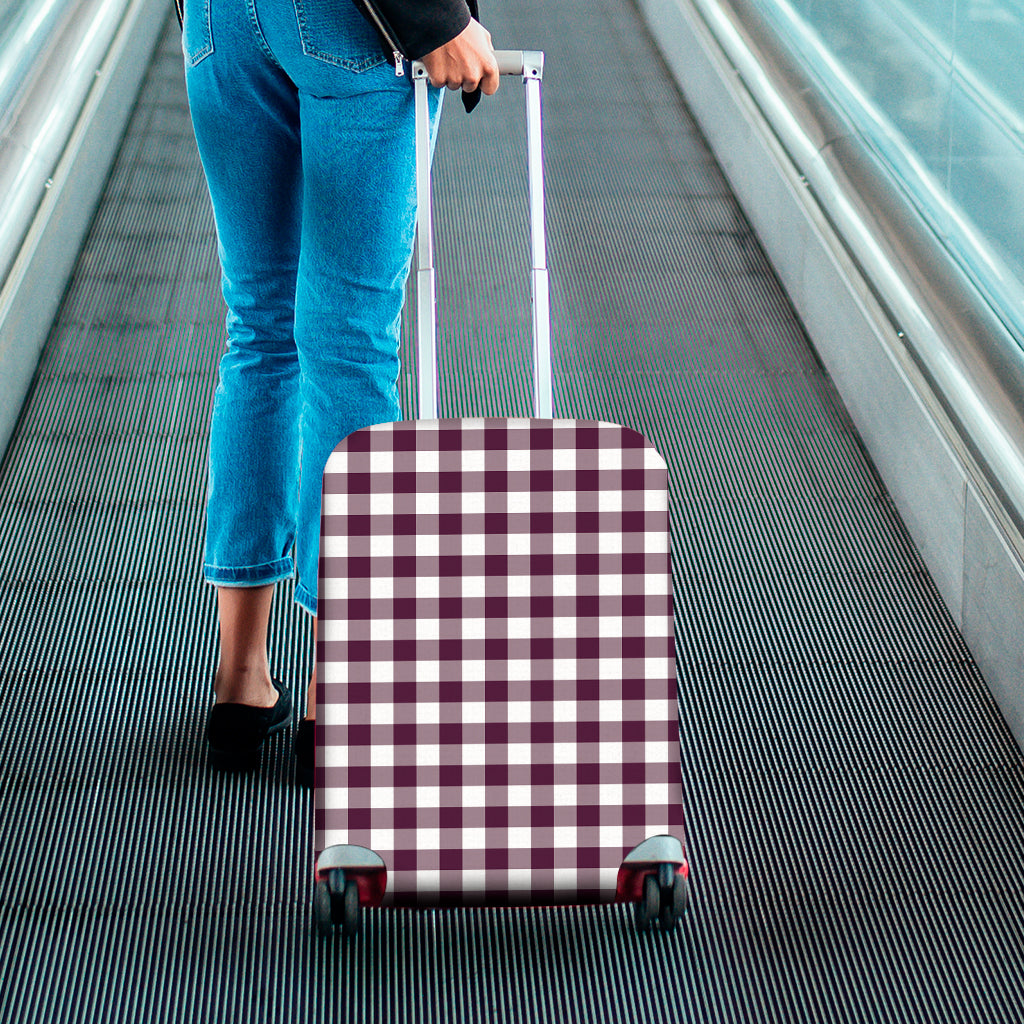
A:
[305, 599]
[249, 575]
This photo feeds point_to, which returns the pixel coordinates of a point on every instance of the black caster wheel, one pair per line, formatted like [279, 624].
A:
[667, 916]
[674, 902]
[336, 884]
[648, 904]
[682, 895]
[322, 908]
[350, 914]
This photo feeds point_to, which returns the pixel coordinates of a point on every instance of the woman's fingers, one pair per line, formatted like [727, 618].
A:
[465, 62]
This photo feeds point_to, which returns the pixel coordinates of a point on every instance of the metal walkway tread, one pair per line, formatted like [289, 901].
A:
[855, 804]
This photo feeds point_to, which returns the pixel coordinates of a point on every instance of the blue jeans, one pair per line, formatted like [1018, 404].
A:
[306, 138]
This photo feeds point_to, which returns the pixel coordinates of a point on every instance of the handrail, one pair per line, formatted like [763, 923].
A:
[27, 29]
[69, 74]
[50, 96]
[969, 356]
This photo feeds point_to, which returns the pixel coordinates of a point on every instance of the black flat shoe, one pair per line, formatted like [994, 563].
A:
[304, 742]
[236, 731]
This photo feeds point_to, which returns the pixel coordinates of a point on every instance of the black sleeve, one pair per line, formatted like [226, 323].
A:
[424, 25]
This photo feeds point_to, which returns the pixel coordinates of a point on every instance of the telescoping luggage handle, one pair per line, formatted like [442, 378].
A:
[529, 64]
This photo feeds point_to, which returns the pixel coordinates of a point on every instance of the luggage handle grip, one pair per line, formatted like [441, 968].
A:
[525, 63]
[529, 64]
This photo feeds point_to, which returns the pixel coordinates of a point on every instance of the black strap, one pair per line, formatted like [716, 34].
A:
[471, 99]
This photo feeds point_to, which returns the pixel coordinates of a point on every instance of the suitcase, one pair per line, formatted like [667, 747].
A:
[496, 691]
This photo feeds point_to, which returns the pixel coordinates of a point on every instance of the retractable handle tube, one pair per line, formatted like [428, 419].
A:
[529, 65]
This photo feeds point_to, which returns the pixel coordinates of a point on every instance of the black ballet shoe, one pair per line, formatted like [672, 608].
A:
[236, 732]
[304, 742]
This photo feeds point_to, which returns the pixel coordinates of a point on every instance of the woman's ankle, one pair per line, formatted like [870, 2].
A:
[245, 686]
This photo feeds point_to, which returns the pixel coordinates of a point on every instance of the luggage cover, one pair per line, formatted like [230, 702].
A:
[496, 686]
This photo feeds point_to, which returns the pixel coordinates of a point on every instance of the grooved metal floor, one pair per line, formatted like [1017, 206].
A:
[855, 804]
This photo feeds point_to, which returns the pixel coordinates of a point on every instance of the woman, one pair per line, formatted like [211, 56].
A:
[304, 122]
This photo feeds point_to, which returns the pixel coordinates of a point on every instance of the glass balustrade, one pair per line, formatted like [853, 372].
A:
[936, 89]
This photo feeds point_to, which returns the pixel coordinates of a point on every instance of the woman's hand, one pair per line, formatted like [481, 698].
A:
[465, 62]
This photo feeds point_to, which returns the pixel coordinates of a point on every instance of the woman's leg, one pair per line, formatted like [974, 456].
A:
[358, 222]
[245, 115]
[243, 675]
[358, 227]
[311, 692]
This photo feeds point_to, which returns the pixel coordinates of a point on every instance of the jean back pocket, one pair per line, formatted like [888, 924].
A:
[336, 33]
[196, 35]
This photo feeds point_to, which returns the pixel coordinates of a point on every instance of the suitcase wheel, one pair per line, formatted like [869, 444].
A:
[648, 905]
[322, 908]
[665, 896]
[347, 908]
[336, 901]
[674, 903]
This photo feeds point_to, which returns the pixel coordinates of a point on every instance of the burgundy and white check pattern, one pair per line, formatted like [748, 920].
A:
[496, 676]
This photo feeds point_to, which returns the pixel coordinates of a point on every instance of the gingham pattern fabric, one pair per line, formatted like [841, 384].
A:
[497, 711]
